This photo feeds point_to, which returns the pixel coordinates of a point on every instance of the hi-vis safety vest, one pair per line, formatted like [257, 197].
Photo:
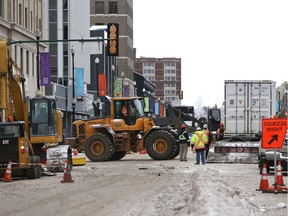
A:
[182, 137]
[199, 139]
[206, 132]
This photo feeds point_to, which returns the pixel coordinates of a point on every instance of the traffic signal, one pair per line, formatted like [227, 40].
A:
[181, 94]
[113, 39]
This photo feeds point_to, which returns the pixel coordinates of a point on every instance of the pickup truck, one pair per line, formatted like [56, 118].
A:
[267, 156]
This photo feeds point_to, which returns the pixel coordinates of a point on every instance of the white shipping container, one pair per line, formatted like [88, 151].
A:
[247, 102]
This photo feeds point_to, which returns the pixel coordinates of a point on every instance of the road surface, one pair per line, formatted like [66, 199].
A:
[139, 185]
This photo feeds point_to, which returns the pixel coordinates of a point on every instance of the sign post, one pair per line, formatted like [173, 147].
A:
[273, 135]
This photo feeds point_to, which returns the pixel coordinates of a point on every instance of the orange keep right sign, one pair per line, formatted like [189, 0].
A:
[273, 132]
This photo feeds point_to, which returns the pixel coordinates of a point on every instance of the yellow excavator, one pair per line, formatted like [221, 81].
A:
[30, 128]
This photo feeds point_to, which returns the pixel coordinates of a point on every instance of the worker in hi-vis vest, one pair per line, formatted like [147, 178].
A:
[199, 141]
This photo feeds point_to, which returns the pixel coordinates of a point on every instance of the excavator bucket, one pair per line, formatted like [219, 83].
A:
[226, 151]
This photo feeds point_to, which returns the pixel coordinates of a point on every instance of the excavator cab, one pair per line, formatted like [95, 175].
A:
[43, 117]
[45, 120]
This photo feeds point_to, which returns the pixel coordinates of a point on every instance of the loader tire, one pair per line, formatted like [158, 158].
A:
[99, 148]
[176, 151]
[118, 155]
[160, 145]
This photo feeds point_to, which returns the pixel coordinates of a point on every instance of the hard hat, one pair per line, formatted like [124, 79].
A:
[182, 126]
[198, 129]
[221, 124]
[205, 126]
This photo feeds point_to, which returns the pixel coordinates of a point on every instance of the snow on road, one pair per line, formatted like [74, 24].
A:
[138, 185]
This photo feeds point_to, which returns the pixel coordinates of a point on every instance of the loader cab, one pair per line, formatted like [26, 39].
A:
[43, 116]
[129, 109]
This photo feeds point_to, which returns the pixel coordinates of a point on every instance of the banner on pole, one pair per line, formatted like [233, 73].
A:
[45, 69]
[79, 83]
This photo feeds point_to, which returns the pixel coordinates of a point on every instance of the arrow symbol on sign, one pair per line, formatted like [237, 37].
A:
[274, 137]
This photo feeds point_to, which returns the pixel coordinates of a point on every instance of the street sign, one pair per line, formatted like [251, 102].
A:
[273, 132]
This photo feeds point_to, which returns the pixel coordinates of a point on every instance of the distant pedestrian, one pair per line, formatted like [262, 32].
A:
[220, 132]
[183, 138]
[208, 135]
[199, 140]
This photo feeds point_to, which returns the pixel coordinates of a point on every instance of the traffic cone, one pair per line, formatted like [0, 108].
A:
[279, 175]
[264, 184]
[67, 173]
[8, 173]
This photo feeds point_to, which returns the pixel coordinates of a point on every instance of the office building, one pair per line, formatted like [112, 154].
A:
[20, 21]
[165, 73]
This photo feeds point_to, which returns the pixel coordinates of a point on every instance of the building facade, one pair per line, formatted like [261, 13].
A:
[121, 12]
[165, 73]
[19, 21]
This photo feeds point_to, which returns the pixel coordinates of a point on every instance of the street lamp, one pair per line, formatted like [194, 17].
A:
[97, 111]
[122, 76]
[97, 88]
[112, 80]
[73, 86]
[38, 34]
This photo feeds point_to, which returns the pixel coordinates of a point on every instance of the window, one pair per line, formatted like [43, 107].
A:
[169, 64]
[99, 7]
[27, 62]
[26, 17]
[169, 71]
[148, 64]
[169, 78]
[15, 54]
[113, 8]
[13, 11]
[33, 62]
[65, 4]
[1, 8]
[167, 85]
[31, 21]
[20, 14]
[53, 16]
[21, 58]
[148, 71]
[53, 4]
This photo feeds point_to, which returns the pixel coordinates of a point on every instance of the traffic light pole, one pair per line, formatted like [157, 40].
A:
[64, 40]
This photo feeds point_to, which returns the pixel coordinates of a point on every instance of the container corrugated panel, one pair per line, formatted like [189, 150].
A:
[247, 102]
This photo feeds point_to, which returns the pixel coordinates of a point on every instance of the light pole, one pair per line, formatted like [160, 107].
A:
[38, 34]
[97, 88]
[97, 112]
[112, 80]
[73, 86]
[122, 76]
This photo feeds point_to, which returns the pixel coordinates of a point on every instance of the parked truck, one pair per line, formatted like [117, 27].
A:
[247, 102]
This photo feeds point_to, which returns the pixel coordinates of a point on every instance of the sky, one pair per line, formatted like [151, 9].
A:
[217, 40]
